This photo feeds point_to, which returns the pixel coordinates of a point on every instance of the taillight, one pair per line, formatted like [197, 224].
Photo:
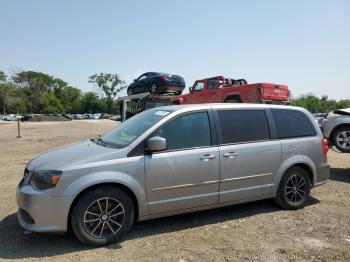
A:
[325, 147]
[162, 77]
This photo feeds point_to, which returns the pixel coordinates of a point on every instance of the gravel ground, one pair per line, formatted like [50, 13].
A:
[257, 231]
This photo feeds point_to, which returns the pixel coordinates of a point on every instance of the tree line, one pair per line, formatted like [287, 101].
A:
[319, 105]
[37, 92]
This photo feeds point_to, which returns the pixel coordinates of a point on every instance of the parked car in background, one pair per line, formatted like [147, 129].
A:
[77, 116]
[172, 160]
[157, 83]
[319, 117]
[116, 118]
[336, 128]
[9, 117]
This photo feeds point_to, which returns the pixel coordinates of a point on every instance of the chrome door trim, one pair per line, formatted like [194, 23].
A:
[186, 185]
[246, 177]
[247, 188]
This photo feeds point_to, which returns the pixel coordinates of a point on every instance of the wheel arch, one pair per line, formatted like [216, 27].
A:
[111, 184]
[336, 128]
[233, 96]
[87, 182]
[303, 162]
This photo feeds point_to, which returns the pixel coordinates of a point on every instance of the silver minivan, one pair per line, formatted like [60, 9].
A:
[173, 160]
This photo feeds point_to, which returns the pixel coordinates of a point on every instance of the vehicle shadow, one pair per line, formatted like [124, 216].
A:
[340, 174]
[14, 244]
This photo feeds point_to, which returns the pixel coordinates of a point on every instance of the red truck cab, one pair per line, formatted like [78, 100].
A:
[219, 89]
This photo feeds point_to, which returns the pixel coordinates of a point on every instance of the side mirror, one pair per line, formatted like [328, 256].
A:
[190, 89]
[156, 143]
[135, 80]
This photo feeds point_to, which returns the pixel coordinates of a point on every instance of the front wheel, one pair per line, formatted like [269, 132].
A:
[129, 92]
[341, 139]
[294, 189]
[102, 216]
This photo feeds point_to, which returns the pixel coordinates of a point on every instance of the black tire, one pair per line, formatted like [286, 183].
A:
[286, 191]
[344, 144]
[233, 100]
[89, 232]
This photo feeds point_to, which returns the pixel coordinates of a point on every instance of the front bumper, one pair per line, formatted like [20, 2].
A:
[39, 211]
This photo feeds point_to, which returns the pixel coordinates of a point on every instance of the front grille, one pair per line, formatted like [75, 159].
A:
[26, 217]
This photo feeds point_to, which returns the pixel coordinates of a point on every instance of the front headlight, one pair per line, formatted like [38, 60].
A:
[41, 180]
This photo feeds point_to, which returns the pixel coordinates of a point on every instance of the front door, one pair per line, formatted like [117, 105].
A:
[248, 157]
[213, 94]
[197, 95]
[186, 174]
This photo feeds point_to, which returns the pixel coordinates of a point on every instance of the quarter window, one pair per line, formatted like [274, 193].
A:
[292, 123]
[239, 126]
[187, 131]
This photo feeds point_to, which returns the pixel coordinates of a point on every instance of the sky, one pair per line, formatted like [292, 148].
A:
[302, 44]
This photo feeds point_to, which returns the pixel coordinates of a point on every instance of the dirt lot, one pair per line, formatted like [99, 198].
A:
[256, 231]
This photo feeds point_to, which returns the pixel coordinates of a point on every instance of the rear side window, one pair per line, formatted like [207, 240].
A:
[292, 123]
[239, 126]
[187, 131]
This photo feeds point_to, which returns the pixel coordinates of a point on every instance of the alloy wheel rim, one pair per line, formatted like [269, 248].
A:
[153, 88]
[104, 217]
[343, 139]
[296, 189]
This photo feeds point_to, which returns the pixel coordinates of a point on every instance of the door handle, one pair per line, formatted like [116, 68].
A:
[206, 157]
[230, 154]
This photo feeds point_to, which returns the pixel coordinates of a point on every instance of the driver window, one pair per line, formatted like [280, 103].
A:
[194, 129]
[199, 86]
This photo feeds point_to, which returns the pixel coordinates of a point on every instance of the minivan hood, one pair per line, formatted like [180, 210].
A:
[79, 153]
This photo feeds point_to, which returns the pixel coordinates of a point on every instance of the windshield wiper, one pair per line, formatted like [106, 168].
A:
[98, 141]
[101, 141]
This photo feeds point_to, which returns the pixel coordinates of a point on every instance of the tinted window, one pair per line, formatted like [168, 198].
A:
[243, 126]
[213, 83]
[292, 123]
[191, 130]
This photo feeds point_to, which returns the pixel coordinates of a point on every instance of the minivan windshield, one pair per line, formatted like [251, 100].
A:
[128, 131]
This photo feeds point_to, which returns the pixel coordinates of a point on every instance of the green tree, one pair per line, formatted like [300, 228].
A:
[3, 76]
[35, 85]
[70, 98]
[91, 103]
[109, 84]
[50, 104]
[317, 105]
[3, 90]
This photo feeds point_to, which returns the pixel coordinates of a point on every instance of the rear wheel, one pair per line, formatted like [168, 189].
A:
[154, 88]
[341, 139]
[102, 216]
[294, 189]
[233, 100]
